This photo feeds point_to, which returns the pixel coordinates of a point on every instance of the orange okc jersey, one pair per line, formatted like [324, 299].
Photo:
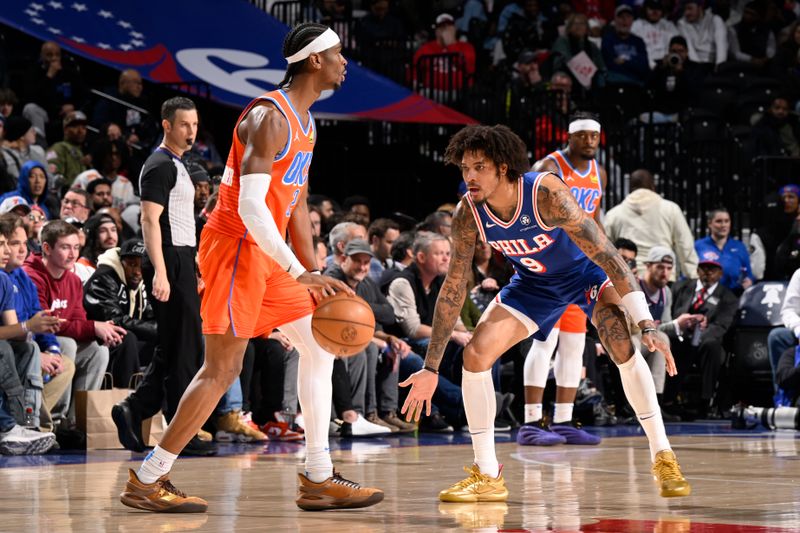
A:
[587, 188]
[289, 171]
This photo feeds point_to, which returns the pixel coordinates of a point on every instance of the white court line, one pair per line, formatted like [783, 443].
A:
[520, 457]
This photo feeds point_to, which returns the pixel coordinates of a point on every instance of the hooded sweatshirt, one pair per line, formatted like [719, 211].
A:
[64, 296]
[649, 220]
[24, 189]
[707, 38]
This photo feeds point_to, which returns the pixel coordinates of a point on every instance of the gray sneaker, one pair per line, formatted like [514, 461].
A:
[23, 441]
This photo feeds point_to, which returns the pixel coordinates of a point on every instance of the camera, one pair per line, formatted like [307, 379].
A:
[748, 417]
[673, 60]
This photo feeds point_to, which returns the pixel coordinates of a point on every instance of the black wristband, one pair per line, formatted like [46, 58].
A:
[649, 330]
[430, 369]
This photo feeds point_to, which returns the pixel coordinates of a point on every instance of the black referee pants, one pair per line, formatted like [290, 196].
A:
[180, 337]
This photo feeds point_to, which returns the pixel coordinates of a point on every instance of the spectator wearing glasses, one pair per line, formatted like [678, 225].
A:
[36, 219]
[75, 204]
[628, 250]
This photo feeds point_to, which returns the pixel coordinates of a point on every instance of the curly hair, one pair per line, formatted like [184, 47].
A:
[498, 143]
[295, 40]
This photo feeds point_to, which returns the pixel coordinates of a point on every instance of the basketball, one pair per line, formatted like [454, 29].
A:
[343, 324]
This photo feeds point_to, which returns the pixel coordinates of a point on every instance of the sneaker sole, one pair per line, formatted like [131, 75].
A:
[137, 502]
[679, 493]
[33, 447]
[485, 498]
[328, 505]
[236, 437]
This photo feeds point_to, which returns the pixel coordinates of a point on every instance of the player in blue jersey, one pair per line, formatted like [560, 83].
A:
[560, 256]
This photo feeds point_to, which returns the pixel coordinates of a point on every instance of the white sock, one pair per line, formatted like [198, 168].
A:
[537, 362]
[562, 413]
[637, 381]
[533, 412]
[314, 390]
[480, 405]
[157, 463]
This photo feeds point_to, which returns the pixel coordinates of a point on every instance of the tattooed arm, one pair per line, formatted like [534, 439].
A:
[598, 213]
[454, 290]
[558, 207]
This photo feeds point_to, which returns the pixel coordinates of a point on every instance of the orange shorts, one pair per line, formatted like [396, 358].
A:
[245, 289]
[573, 320]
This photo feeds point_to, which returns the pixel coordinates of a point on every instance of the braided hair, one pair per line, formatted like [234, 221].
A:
[295, 40]
[498, 143]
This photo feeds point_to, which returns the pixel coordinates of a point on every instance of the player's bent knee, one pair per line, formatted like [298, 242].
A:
[474, 362]
[620, 353]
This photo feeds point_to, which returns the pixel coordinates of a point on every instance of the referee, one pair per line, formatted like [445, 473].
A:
[168, 227]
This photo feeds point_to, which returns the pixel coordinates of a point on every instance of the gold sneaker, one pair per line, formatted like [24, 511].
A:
[667, 472]
[477, 487]
[231, 428]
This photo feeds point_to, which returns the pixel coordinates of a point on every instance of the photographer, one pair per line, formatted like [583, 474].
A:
[673, 81]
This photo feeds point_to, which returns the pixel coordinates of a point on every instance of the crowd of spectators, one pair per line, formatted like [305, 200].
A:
[75, 303]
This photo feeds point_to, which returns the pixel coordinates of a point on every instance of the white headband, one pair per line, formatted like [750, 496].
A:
[322, 42]
[584, 125]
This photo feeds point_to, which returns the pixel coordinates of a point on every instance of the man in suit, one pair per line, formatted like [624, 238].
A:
[699, 340]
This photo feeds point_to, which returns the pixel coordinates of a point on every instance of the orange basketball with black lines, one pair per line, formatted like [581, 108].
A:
[343, 324]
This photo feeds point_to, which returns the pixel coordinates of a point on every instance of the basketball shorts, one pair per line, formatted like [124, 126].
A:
[245, 289]
[572, 321]
[544, 300]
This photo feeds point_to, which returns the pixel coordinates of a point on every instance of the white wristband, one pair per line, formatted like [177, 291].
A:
[295, 269]
[636, 305]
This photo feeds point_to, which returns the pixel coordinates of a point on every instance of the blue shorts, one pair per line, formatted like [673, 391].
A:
[544, 300]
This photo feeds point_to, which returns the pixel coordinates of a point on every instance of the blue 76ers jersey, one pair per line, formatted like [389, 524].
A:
[538, 252]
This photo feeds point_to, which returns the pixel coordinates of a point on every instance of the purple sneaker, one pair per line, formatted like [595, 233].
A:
[573, 434]
[538, 434]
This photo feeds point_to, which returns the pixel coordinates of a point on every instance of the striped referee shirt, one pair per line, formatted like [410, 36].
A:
[165, 181]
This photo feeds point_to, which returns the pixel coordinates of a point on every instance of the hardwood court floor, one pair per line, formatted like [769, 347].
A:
[741, 482]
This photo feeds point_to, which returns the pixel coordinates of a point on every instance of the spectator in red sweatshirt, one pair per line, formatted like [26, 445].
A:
[439, 74]
[60, 290]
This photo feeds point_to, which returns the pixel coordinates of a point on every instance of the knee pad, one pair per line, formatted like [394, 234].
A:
[569, 359]
[537, 362]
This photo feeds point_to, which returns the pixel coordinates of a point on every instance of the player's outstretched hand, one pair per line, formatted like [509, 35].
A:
[657, 341]
[322, 286]
[423, 384]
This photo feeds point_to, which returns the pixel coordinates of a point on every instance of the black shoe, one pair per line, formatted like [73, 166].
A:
[70, 438]
[200, 448]
[129, 426]
[501, 425]
[434, 424]
[669, 417]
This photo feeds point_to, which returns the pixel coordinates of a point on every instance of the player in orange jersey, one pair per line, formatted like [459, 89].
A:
[578, 168]
[255, 282]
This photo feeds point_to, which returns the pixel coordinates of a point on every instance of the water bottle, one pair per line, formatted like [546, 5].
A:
[29, 421]
[46, 378]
